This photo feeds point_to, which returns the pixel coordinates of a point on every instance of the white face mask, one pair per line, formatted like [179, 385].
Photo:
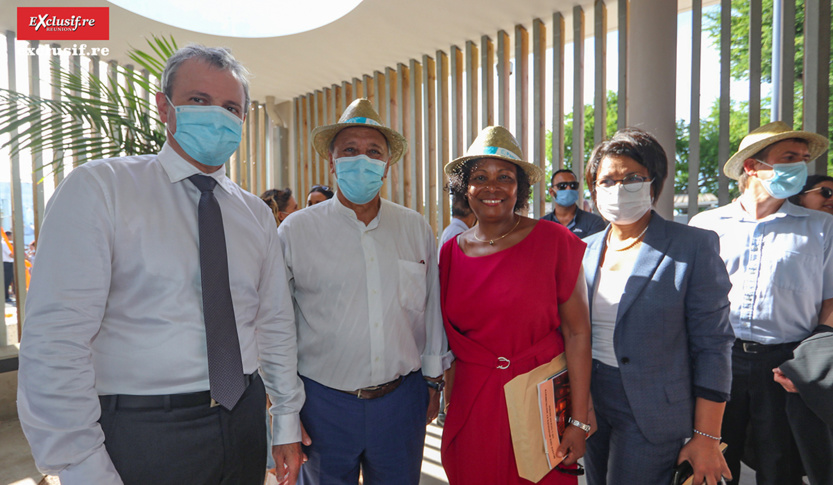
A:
[621, 206]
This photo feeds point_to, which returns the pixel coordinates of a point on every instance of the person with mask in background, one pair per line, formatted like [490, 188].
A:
[564, 187]
[780, 261]
[159, 293]
[659, 314]
[364, 279]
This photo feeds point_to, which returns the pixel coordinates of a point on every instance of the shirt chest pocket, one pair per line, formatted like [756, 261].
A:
[412, 286]
[795, 271]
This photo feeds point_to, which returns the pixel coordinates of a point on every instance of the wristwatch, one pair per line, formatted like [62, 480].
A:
[579, 424]
[435, 385]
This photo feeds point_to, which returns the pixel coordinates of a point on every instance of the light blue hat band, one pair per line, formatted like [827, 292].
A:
[364, 121]
[501, 152]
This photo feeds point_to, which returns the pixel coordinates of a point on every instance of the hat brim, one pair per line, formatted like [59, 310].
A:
[324, 135]
[817, 144]
[533, 172]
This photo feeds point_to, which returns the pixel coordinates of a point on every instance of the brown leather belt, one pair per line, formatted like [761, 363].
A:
[375, 392]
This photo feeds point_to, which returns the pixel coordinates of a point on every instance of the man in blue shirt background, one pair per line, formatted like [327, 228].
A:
[564, 189]
[778, 256]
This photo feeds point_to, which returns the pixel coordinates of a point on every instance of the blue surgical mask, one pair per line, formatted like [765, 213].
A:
[208, 134]
[787, 179]
[359, 177]
[566, 197]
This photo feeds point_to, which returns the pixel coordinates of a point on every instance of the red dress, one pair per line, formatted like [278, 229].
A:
[498, 307]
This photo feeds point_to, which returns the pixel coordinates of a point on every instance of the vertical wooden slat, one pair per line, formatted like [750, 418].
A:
[558, 43]
[694, 122]
[623, 11]
[504, 66]
[416, 123]
[381, 103]
[755, 31]
[75, 70]
[262, 134]
[600, 73]
[522, 87]
[429, 102]
[311, 154]
[487, 77]
[521, 73]
[393, 122]
[408, 127]
[37, 157]
[241, 174]
[57, 155]
[456, 68]
[472, 121]
[443, 144]
[334, 112]
[723, 122]
[300, 138]
[370, 90]
[538, 155]
[347, 88]
[320, 172]
[17, 195]
[785, 106]
[817, 73]
[578, 90]
[358, 89]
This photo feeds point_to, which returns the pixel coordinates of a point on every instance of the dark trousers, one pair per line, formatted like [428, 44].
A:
[8, 277]
[756, 419]
[814, 439]
[199, 445]
[618, 453]
[384, 437]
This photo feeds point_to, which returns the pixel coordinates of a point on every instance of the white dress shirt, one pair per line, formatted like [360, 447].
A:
[115, 305]
[367, 298]
[781, 268]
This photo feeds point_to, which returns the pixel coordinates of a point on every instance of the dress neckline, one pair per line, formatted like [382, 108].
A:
[502, 251]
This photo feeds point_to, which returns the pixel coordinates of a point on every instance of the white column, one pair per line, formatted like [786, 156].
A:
[652, 79]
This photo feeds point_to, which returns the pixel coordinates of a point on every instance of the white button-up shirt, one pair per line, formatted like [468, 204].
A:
[115, 305]
[367, 299]
[781, 268]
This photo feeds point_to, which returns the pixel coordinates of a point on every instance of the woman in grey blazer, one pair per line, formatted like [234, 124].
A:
[660, 323]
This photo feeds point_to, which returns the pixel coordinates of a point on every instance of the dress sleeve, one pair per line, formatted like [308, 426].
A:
[569, 254]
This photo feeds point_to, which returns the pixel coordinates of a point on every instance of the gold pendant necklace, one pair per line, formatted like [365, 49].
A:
[638, 238]
[492, 241]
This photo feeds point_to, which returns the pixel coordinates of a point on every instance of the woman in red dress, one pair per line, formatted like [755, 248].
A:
[513, 298]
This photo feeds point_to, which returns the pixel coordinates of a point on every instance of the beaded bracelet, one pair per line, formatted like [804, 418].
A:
[716, 438]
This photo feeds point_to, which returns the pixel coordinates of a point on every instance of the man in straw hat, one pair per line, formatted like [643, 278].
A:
[371, 347]
[780, 261]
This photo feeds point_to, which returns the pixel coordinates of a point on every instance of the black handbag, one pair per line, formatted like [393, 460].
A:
[683, 472]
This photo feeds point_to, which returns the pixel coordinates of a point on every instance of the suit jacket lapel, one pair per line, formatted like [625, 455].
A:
[591, 266]
[654, 247]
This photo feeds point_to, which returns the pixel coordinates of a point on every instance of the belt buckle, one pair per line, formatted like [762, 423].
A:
[213, 404]
[750, 347]
[504, 363]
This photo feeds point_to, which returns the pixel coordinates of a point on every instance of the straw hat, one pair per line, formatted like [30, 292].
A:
[359, 113]
[497, 142]
[766, 135]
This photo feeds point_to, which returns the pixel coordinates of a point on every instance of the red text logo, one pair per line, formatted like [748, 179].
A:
[63, 23]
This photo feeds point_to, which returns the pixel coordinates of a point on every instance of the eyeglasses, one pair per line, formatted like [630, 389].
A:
[631, 183]
[825, 192]
[322, 187]
[566, 185]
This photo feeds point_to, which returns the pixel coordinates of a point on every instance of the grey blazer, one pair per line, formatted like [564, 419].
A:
[672, 329]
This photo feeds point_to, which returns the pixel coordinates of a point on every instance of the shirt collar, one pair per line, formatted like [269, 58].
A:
[178, 169]
[347, 212]
[786, 209]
